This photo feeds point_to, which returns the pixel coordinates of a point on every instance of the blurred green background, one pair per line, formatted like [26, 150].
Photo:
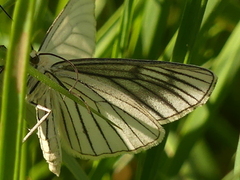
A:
[202, 145]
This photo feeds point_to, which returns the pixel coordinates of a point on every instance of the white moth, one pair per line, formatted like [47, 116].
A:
[136, 96]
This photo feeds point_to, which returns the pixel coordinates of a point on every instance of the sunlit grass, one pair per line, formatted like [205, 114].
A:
[200, 146]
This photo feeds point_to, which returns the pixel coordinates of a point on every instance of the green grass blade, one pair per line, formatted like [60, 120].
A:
[225, 66]
[188, 30]
[201, 146]
[121, 41]
[237, 162]
[13, 101]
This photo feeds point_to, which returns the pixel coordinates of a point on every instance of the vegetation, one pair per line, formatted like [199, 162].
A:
[202, 145]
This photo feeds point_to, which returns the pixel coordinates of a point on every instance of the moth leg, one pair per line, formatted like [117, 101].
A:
[38, 107]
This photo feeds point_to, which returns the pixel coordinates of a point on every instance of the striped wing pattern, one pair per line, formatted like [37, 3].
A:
[167, 91]
[72, 35]
[136, 97]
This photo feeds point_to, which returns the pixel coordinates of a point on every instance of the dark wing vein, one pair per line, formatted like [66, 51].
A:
[131, 94]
